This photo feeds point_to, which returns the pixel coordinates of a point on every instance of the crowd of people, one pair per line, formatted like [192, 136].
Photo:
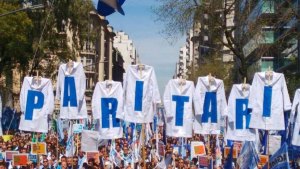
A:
[149, 155]
[56, 152]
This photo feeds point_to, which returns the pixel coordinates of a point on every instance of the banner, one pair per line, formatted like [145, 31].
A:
[38, 148]
[197, 149]
[9, 155]
[20, 159]
[280, 159]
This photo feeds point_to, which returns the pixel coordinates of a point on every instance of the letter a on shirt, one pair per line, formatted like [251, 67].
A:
[70, 90]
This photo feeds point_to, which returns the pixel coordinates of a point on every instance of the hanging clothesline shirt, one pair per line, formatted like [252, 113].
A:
[107, 102]
[210, 106]
[37, 102]
[70, 90]
[268, 100]
[141, 94]
[239, 114]
[296, 122]
[178, 99]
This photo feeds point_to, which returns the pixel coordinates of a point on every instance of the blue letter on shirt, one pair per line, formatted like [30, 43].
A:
[267, 101]
[241, 110]
[179, 108]
[35, 100]
[109, 107]
[69, 92]
[210, 107]
[138, 102]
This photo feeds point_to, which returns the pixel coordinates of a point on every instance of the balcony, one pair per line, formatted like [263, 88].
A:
[266, 37]
[263, 7]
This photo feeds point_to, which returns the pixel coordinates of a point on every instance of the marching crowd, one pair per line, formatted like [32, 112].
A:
[56, 153]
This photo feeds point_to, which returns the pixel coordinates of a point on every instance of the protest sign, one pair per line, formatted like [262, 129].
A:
[274, 143]
[234, 152]
[9, 155]
[263, 159]
[7, 138]
[38, 148]
[77, 128]
[203, 161]
[20, 159]
[198, 149]
[32, 158]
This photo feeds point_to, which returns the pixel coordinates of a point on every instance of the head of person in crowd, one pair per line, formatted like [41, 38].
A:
[75, 161]
[126, 151]
[91, 162]
[69, 162]
[2, 165]
[64, 165]
[45, 163]
[63, 159]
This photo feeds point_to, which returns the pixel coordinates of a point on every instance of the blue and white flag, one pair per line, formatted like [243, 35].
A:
[248, 157]
[280, 159]
[70, 148]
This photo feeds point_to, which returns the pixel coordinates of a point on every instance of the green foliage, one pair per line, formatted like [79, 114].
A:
[177, 15]
[293, 83]
[217, 69]
[15, 43]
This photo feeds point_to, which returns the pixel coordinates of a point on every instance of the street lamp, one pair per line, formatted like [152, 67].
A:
[23, 9]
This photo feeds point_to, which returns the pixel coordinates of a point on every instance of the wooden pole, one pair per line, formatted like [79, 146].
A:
[143, 146]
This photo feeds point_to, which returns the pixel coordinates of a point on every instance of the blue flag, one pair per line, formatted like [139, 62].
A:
[248, 157]
[280, 159]
[228, 163]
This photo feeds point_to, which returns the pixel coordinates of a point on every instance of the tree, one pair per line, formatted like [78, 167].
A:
[234, 24]
[15, 44]
[37, 39]
[63, 16]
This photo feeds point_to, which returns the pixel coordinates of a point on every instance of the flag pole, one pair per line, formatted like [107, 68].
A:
[143, 146]
[140, 68]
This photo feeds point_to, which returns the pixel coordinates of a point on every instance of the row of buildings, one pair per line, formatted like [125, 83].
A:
[265, 30]
[104, 57]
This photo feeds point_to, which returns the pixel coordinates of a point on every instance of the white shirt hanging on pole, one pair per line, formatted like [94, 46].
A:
[210, 105]
[269, 98]
[178, 99]
[70, 90]
[141, 94]
[107, 102]
[37, 102]
[296, 122]
[239, 114]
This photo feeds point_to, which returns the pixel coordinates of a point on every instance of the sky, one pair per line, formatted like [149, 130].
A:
[154, 50]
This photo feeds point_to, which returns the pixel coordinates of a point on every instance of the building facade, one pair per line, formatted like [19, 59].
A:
[124, 45]
[275, 43]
